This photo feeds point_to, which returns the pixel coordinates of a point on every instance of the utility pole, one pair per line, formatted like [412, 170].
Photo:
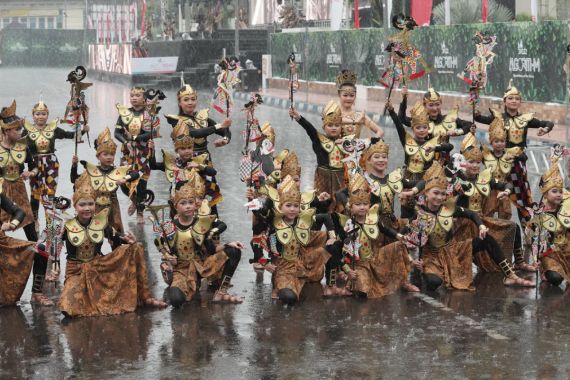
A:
[236, 25]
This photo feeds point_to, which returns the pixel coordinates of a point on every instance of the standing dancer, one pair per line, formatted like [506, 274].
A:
[352, 120]
[500, 161]
[419, 148]
[199, 126]
[329, 174]
[106, 178]
[517, 125]
[134, 129]
[14, 154]
[41, 138]
[441, 125]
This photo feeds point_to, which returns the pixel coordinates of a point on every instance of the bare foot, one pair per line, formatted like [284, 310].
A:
[525, 267]
[155, 302]
[329, 291]
[274, 295]
[408, 287]
[343, 292]
[41, 299]
[223, 297]
[52, 276]
[258, 267]
[515, 280]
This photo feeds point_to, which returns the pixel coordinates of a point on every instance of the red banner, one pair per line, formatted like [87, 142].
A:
[484, 10]
[356, 15]
[421, 11]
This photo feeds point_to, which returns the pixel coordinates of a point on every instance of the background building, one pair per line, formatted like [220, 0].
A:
[42, 14]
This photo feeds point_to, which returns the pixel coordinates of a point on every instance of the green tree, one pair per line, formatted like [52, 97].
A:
[469, 12]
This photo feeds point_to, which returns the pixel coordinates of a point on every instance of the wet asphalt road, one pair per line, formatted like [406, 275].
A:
[492, 333]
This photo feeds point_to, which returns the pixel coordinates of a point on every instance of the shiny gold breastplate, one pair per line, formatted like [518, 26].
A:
[174, 172]
[387, 190]
[368, 232]
[418, 157]
[86, 239]
[42, 138]
[184, 244]
[516, 127]
[293, 237]
[480, 189]
[11, 160]
[105, 184]
[133, 122]
[200, 120]
[449, 123]
[439, 225]
[334, 152]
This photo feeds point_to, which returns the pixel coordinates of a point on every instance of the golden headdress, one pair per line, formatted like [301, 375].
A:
[358, 190]
[197, 182]
[470, 148]
[40, 106]
[419, 115]
[105, 143]
[9, 119]
[497, 130]
[268, 131]
[346, 78]
[431, 96]
[180, 137]
[186, 191]
[185, 90]
[290, 166]
[552, 178]
[137, 90]
[511, 90]
[435, 177]
[332, 114]
[83, 189]
[289, 191]
[379, 147]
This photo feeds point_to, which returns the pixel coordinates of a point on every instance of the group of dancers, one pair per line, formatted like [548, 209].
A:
[453, 211]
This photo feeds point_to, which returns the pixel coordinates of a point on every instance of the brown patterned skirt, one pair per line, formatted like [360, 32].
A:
[503, 231]
[16, 260]
[384, 272]
[16, 192]
[186, 274]
[493, 206]
[115, 220]
[558, 261]
[107, 285]
[327, 180]
[308, 267]
[451, 263]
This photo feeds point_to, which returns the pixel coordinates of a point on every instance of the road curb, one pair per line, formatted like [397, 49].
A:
[275, 101]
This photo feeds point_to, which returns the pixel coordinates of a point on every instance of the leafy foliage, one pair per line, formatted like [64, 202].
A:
[531, 53]
[469, 11]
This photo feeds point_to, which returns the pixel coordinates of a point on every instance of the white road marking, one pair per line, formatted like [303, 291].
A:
[461, 318]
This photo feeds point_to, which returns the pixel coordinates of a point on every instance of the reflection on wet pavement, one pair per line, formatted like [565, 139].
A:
[400, 336]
